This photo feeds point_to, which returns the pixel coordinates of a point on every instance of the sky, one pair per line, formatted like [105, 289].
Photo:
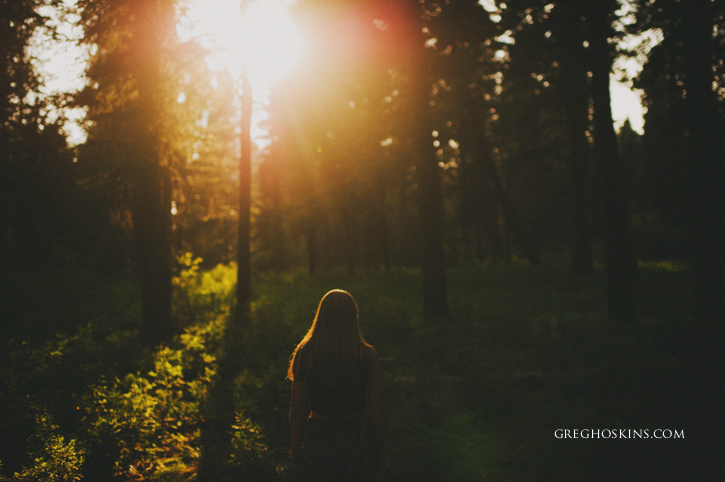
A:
[61, 64]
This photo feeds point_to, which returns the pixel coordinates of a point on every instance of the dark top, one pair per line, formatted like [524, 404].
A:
[338, 387]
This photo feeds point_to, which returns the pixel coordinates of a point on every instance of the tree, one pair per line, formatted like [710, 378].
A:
[547, 91]
[206, 201]
[573, 94]
[619, 250]
[563, 43]
[466, 69]
[543, 130]
[707, 155]
[683, 84]
[659, 190]
[129, 100]
[427, 172]
[18, 22]
[244, 267]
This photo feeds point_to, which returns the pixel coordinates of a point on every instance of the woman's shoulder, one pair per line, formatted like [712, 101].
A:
[372, 352]
[370, 355]
[301, 360]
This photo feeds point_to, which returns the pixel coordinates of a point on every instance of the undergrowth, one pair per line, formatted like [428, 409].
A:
[519, 347]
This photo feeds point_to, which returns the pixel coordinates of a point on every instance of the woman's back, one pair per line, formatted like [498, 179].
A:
[338, 386]
[334, 374]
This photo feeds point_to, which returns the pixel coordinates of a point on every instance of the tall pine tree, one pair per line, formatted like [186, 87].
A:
[130, 100]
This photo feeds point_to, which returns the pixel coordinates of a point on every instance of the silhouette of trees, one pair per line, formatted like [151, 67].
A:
[418, 134]
[618, 245]
[36, 172]
[137, 142]
[683, 84]
[561, 56]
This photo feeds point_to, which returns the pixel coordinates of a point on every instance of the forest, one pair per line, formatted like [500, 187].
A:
[543, 282]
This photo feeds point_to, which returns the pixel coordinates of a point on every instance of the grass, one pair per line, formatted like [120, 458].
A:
[477, 396]
[526, 351]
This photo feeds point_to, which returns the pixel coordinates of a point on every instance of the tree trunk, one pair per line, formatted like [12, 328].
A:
[575, 99]
[707, 158]
[619, 252]
[244, 268]
[152, 203]
[530, 249]
[151, 223]
[485, 166]
[428, 176]
[379, 227]
[431, 214]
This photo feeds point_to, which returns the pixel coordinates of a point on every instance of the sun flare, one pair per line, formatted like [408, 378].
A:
[261, 39]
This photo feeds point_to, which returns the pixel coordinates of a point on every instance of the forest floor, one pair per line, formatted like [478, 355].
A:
[526, 353]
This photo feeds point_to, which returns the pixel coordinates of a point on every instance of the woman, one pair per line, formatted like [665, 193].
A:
[335, 375]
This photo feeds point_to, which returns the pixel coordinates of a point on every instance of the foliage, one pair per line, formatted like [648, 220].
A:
[53, 459]
[251, 457]
[36, 171]
[202, 295]
[206, 189]
[148, 422]
[519, 343]
[134, 414]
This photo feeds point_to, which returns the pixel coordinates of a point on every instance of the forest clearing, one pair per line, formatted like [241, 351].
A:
[477, 396]
[526, 199]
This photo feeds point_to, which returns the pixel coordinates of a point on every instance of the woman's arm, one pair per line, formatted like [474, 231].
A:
[376, 397]
[297, 413]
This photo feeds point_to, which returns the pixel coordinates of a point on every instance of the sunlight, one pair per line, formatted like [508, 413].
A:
[261, 40]
[60, 61]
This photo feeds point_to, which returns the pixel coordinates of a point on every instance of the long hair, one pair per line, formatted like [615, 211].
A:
[334, 333]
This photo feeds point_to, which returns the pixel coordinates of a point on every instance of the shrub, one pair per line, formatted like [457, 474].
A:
[53, 459]
[148, 422]
[202, 295]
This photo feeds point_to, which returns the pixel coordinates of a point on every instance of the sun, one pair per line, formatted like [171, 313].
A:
[272, 44]
[260, 38]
